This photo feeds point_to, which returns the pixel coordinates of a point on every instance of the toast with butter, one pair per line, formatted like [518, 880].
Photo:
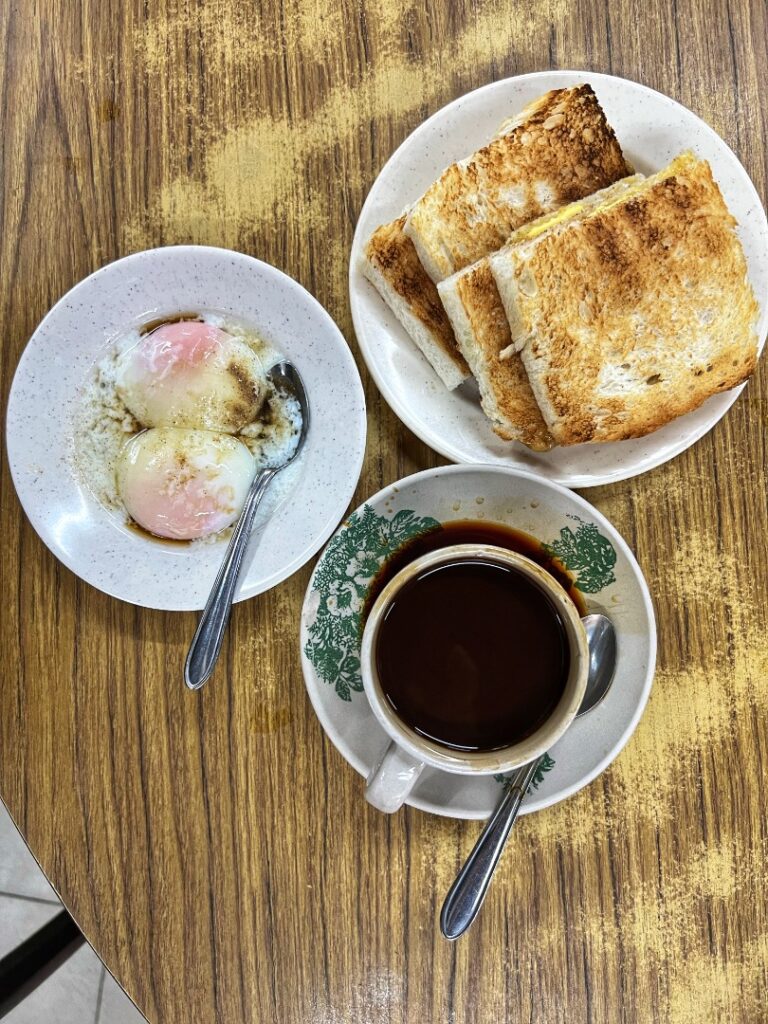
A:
[476, 312]
[566, 124]
[558, 149]
[635, 312]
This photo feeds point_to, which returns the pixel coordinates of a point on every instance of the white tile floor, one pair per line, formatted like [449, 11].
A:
[81, 991]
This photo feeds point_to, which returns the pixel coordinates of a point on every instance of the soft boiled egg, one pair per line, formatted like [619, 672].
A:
[184, 484]
[191, 374]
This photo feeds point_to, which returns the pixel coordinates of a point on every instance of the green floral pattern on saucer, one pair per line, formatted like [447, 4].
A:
[351, 560]
[547, 764]
[357, 552]
[587, 554]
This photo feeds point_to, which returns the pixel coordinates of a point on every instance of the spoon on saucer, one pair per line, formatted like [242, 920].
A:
[206, 644]
[468, 891]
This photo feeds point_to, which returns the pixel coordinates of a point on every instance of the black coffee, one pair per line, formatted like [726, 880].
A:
[472, 655]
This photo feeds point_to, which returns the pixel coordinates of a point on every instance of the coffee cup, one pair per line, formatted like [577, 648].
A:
[474, 660]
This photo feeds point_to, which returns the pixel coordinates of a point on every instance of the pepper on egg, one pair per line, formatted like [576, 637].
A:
[191, 374]
[184, 484]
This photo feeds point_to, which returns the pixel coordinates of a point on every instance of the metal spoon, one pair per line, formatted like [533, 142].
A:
[468, 891]
[206, 643]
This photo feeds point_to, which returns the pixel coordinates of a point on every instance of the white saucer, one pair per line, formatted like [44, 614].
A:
[606, 570]
[652, 129]
[78, 331]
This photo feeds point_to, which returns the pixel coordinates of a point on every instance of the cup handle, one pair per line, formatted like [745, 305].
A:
[392, 779]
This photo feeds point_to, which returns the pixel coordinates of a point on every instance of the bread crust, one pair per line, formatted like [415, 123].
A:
[392, 265]
[480, 325]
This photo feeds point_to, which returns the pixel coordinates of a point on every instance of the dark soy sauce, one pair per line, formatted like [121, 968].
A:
[472, 654]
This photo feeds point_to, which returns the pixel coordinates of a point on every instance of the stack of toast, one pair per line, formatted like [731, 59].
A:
[590, 303]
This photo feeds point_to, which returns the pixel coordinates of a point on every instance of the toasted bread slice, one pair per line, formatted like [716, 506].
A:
[635, 313]
[558, 149]
[391, 264]
[477, 315]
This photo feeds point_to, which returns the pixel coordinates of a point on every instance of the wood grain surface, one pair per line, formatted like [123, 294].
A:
[214, 847]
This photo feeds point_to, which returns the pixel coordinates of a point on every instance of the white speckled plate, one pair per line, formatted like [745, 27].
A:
[652, 129]
[605, 570]
[80, 328]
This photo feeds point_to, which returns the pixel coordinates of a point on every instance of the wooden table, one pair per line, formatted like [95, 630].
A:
[215, 848]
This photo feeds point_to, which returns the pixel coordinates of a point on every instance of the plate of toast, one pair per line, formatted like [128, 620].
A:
[563, 272]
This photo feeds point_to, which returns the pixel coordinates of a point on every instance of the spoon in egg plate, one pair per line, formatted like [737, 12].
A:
[206, 644]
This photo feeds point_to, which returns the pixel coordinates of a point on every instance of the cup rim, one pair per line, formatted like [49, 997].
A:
[478, 762]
